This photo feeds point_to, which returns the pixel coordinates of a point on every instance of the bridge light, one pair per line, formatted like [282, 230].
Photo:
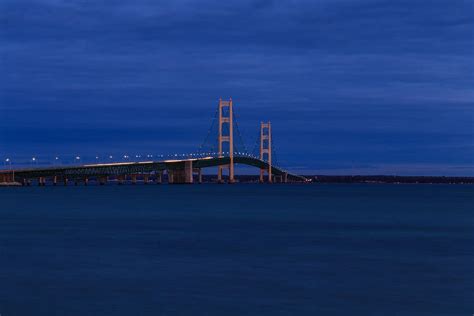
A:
[34, 158]
[111, 157]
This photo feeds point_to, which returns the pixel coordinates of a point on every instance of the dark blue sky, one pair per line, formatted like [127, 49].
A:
[367, 86]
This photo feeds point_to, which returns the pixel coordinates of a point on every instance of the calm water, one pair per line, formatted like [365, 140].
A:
[237, 250]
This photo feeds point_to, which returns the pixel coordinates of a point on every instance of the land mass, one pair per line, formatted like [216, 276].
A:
[364, 179]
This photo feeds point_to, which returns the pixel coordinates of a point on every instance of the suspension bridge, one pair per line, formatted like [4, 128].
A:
[223, 147]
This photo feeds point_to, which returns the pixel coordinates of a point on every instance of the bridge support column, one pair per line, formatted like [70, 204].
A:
[181, 175]
[102, 180]
[188, 171]
[55, 180]
[134, 178]
[145, 179]
[219, 174]
[7, 177]
[199, 175]
[86, 181]
[120, 179]
[65, 181]
[266, 148]
[221, 138]
[285, 177]
[170, 176]
[159, 177]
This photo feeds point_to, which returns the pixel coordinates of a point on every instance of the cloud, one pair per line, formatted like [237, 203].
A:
[346, 70]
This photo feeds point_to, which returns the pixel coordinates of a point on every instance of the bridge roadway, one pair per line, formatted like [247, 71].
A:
[179, 171]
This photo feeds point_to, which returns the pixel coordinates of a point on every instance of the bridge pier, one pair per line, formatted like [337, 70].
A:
[159, 177]
[7, 177]
[199, 175]
[181, 175]
[134, 178]
[219, 175]
[145, 178]
[270, 178]
[188, 171]
[86, 181]
[278, 179]
[65, 180]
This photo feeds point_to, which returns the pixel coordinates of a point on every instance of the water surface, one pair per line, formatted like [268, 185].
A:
[237, 250]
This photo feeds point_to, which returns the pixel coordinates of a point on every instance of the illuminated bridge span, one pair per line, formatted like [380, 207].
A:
[221, 152]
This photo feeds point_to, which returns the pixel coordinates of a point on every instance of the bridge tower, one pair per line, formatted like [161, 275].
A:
[226, 117]
[266, 148]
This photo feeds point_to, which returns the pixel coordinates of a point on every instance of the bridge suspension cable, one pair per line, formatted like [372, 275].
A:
[209, 145]
[241, 148]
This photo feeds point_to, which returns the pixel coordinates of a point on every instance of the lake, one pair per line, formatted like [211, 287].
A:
[244, 249]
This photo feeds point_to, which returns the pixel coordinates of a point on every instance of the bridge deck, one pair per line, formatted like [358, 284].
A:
[145, 167]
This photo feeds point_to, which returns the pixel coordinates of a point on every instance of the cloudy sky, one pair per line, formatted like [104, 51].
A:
[351, 86]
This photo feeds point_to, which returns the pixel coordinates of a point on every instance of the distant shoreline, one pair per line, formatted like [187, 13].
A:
[346, 179]
[367, 179]
[391, 179]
